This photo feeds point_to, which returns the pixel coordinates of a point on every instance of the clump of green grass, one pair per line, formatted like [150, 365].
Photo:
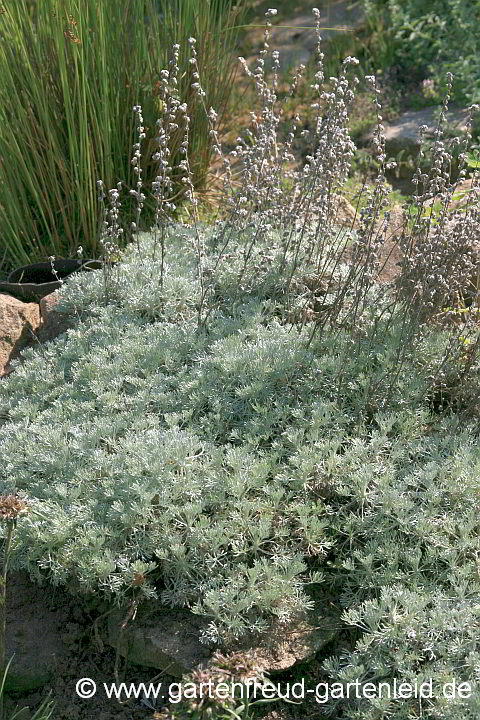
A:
[67, 70]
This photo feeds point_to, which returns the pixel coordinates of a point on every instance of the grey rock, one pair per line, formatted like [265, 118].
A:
[285, 647]
[404, 133]
[168, 640]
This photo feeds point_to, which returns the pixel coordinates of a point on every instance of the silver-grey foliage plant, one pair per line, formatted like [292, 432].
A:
[243, 414]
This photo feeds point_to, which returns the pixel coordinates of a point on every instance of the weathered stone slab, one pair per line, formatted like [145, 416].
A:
[18, 322]
[168, 640]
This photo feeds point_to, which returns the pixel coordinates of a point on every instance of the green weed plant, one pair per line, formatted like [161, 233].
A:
[428, 39]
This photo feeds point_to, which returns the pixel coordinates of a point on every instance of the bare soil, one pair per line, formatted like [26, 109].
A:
[47, 627]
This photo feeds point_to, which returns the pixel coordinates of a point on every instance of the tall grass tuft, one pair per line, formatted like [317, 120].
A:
[68, 69]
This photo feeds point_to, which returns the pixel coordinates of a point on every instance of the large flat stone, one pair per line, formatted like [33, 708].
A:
[168, 640]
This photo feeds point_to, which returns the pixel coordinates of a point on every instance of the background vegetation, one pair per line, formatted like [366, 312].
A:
[427, 39]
